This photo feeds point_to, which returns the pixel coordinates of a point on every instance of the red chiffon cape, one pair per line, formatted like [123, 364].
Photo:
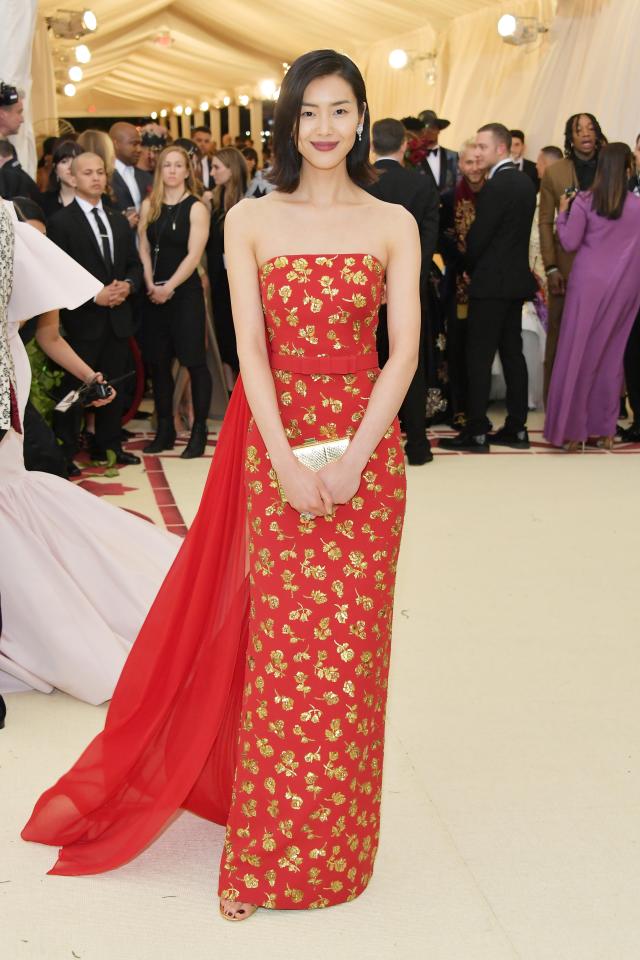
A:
[171, 731]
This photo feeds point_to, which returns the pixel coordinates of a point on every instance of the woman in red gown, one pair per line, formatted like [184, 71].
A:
[255, 693]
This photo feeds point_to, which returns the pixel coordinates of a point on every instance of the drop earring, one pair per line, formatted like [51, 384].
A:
[359, 132]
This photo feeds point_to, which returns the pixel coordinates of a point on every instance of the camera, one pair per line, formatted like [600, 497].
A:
[8, 94]
[570, 191]
[95, 391]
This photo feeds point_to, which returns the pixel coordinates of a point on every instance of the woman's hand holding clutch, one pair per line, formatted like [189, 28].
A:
[305, 490]
[341, 479]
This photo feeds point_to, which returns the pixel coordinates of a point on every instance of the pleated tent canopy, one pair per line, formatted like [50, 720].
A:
[161, 52]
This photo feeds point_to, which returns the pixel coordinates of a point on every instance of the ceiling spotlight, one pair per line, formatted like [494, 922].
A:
[188, 111]
[164, 112]
[153, 115]
[75, 74]
[178, 110]
[267, 89]
[83, 54]
[519, 30]
[226, 101]
[243, 100]
[89, 20]
[72, 24]
[398, 59]
[69, 90]
[204, 106]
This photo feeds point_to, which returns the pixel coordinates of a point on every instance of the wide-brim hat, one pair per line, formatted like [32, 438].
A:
[429, 118]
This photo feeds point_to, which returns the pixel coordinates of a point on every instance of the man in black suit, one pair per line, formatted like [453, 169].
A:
[99, 240]
[440, 164]
[419, 196]
[201, 136]
[14, 181]
[129, 184]
[498, 262]
[525, 166]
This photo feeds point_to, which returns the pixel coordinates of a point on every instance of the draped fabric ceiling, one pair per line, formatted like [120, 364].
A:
[587, 61]
[220, 49]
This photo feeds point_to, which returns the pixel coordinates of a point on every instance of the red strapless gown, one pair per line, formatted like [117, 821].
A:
[255, 693]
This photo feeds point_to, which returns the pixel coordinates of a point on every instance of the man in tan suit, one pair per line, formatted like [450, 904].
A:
[583, 139]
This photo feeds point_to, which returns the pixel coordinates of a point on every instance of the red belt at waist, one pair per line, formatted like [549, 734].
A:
[323, 365]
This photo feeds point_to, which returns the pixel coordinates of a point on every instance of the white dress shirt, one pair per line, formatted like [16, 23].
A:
[128, 174]
[498, 165]
[433, 160]
[86, 208]
[206, 172]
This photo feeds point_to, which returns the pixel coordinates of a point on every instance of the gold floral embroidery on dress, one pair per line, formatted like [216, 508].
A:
[303, 827]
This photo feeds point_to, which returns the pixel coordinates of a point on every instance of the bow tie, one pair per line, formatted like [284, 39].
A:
[433, 152]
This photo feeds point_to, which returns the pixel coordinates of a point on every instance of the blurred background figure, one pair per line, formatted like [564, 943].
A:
[61, 189]
[231, 177]
[153, 139]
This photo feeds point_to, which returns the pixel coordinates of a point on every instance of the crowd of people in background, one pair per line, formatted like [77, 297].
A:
[530, 285]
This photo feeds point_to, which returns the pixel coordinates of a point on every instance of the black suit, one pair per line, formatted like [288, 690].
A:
[121, 192]
[530, 170]
[448, 170]
[498, 260]
[419, 196]
[98, 334]
[15, 182]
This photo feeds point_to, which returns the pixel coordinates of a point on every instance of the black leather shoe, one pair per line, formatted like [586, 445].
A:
[466, 443]
[126, 459]
[164, 439]
[197, 441]
[631, 434]
[417, 456]
[72, 469]
[510, 438]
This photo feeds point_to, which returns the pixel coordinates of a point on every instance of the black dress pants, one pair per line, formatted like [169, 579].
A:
[413, 412]
[495, 325]
[109, 355]
[632, 370]
[457, 361]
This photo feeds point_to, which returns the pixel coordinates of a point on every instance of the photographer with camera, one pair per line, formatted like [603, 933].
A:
[100, 240]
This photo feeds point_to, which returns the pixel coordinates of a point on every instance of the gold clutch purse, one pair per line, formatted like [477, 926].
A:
[316, 454]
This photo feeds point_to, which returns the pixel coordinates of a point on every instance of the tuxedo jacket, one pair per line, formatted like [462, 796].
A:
[15, 182]
[70, 229]
[557, 178]
[530, 170]
[416, 194]
[448, 169]
[498, 242]
[121, 192]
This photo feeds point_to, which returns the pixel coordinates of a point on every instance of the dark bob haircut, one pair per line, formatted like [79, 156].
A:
[287, 160]
[65, 149]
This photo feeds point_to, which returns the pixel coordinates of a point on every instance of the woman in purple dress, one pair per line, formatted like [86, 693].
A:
[603, 298]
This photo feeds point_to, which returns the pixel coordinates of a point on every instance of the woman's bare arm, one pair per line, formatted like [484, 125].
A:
[403, 322]
[143, 244]
[56, 347]
[304, 489]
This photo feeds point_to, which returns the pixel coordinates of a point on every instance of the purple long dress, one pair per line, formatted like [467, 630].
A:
[603, 298]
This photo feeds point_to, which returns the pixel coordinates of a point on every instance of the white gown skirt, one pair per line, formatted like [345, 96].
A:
[77, 575]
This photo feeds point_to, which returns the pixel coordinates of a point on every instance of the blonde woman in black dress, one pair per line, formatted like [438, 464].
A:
[173, 232]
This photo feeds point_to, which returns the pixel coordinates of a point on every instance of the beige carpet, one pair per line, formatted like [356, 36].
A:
[511, 816]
